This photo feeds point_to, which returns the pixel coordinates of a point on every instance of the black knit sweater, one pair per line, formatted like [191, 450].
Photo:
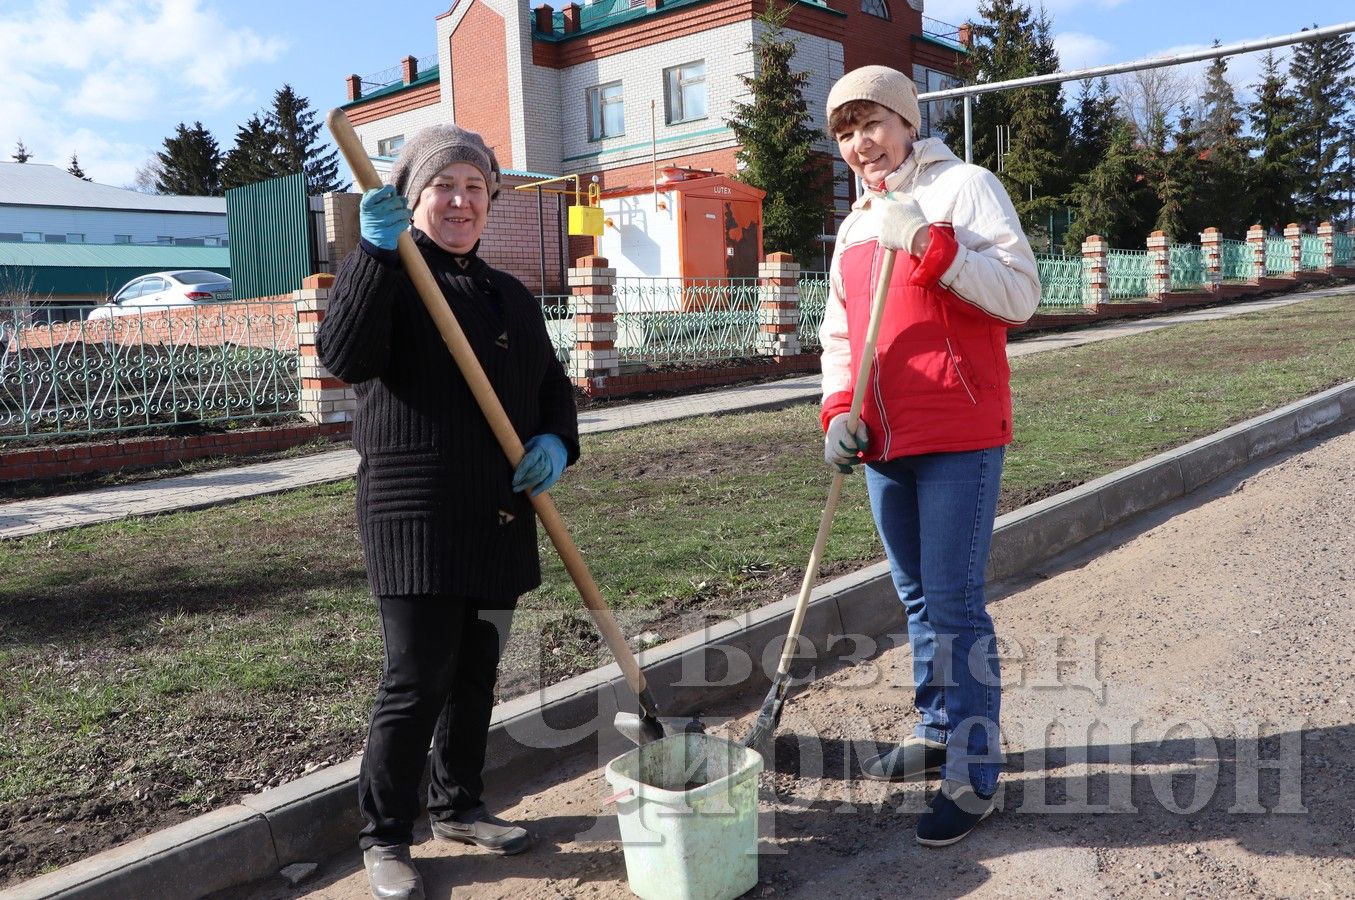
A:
[435, 508]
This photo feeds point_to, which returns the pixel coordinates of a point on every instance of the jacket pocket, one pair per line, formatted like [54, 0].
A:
[404, 484]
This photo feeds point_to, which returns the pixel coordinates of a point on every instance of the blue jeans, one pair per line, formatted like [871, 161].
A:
[935, 515]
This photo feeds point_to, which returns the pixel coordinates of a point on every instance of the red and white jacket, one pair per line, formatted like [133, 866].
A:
[940, 381]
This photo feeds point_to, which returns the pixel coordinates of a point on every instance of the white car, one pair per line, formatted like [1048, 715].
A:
[166, 290]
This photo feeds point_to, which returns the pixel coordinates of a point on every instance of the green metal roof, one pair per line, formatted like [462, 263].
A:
[424, 77]
[607, 13]
[152, 258]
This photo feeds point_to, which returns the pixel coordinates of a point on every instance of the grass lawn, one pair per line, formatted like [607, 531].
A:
[154, 669]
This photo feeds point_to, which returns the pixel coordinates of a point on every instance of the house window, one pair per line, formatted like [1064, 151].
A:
[72, 238]
[33, 237]
[54, 238]
[934, 112]
[164, 239]
[390, 146]
[685, 92]
[606, 114]
[122, 238]
[875, 8]
[11, 236]
[189, 242]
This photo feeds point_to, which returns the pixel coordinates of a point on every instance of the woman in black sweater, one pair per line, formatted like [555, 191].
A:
[447, 530]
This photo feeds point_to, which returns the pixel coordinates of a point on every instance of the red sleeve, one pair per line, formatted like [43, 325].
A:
[834, 404]
[941, 250]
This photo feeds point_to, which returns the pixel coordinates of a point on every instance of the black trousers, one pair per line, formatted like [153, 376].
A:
[441, 662]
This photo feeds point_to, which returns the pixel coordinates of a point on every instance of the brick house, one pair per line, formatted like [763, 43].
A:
[618, 89]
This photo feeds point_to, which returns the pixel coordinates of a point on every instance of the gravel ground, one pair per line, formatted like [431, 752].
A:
[1177, 718]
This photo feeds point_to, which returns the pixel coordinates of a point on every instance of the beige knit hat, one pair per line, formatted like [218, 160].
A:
[435, 148]
[888, 87]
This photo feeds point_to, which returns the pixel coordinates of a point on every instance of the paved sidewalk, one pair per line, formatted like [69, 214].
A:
[24, 517]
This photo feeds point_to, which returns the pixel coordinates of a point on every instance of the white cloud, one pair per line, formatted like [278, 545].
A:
[1081, 51]
[73, 76]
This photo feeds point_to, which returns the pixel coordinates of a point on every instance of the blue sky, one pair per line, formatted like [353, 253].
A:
[110, 79]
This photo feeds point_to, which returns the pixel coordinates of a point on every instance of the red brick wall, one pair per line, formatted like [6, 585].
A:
[267, 322]
[512, 239]
[480, 79]
[402, 101]
[37, 463]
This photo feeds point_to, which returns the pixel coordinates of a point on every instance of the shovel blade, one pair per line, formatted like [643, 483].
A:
[641, 729]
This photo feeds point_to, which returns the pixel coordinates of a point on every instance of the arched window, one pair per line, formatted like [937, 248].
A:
[875, 8]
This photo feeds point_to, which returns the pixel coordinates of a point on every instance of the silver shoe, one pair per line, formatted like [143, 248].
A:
[391, 872]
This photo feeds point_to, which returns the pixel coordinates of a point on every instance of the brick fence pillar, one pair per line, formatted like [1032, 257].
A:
[1159, 265]
[1256, 242]
[1095, 252]
[341, 226]
[1211, 244]
[595, 357]
[1293, 235]
[1326, 232]
[778, 311]
[324, 398]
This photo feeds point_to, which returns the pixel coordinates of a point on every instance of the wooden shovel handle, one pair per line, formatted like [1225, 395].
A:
[835, 489]
[366, 177]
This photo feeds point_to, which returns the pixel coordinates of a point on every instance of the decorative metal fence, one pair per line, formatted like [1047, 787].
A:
[1063, 281]
[1127, 274]
[1312, 252]
[558, 310]
[1278, 258]
[1237, 261]
[813, 302]
[1344, 249]
[1186, 262]
[676, 320]
[205, 365]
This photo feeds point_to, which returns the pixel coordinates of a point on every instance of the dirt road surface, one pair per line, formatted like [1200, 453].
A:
[1178, 722]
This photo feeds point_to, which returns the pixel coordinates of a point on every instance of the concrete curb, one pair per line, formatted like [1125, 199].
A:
[315, 816]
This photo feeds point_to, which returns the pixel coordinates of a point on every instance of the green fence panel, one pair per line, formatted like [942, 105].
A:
[1187, 266]
[1237, 261]
[1127, 274]
[1278, 258]
[1063, 281]
[677, 320]
[271, 242]
[208, 365]
[1344, 249]
[1312, 252]
[813, 302]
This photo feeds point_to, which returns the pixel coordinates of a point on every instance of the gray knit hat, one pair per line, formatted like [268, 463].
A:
[880, 84]
[435, 148]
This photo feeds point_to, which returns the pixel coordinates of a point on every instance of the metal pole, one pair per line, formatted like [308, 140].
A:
[1156, 62]
[968, 129]
[541, 237]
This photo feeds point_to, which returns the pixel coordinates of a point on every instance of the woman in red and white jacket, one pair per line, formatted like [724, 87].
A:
[936, 419]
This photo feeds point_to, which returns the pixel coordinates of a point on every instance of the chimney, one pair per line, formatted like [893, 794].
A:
[409, 69]
[652, 5]
[545, 19]
[354, 87]
[965, 34]
[571, 18]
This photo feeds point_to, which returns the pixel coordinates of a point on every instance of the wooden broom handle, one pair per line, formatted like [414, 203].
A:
[364, 173]
[835, 489]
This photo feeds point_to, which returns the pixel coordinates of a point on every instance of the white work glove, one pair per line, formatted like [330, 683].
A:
[900, 219]
[840, 445]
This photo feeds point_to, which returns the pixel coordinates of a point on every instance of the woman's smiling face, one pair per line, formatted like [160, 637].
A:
[452, 209]
[874, 143]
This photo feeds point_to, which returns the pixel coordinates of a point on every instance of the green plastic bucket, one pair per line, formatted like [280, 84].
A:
[687, 807]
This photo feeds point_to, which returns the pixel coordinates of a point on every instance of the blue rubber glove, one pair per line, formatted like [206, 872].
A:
[382, 215]
[541, 465]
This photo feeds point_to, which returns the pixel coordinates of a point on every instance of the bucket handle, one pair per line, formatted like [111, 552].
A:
[620, 795]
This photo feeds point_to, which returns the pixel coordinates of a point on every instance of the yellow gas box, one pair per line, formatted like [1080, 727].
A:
[587, 220]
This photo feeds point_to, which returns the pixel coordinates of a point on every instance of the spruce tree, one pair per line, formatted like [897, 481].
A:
[1323, 83]
[74, 169]
[776, 141]
[1010, 42]
[1111, 199]
[299, 147]
[1274, 171]
[1176, 176]
[1226, 163]
[254, 157]
[21, 153]
[1092, 128]
[190, 163]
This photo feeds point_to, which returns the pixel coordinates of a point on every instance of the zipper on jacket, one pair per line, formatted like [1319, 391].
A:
[959, 372]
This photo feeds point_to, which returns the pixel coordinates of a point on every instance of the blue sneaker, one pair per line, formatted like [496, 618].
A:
[952, 814]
